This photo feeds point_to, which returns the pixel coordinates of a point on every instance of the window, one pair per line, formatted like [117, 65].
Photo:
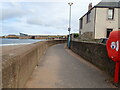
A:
[88, 17]
[110, 13]
[108, 32]
[81, 23]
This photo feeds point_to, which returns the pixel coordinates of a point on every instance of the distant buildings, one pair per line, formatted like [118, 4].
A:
[50, 37]
[23, 35]
[100, 20]
[26, 36]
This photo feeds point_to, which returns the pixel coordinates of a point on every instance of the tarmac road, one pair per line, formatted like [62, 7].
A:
[61, 68]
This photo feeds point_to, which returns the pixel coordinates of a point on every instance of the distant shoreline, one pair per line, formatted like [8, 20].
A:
[14, 42]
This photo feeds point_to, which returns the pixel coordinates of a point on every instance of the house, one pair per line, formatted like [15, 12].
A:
[100, 20]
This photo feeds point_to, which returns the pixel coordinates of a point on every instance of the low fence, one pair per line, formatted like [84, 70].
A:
[18, 65]
[94, 53]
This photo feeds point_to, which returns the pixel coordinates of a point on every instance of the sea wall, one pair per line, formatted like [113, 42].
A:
[18, 64]
[95, 53]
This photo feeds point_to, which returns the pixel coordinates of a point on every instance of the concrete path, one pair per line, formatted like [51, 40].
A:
[60, 68]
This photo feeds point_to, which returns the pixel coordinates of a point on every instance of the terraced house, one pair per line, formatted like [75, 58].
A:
[100, 20]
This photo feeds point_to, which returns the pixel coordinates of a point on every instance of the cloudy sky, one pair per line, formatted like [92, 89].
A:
[41, 18]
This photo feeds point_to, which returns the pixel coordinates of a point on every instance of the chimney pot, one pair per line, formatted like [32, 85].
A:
[90, 6]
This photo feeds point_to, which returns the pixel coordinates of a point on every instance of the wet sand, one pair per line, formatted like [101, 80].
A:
[6, 49]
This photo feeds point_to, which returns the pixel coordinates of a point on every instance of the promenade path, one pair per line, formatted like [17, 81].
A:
[61, 68]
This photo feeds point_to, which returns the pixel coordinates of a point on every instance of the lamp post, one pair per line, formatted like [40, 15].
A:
[69, 28]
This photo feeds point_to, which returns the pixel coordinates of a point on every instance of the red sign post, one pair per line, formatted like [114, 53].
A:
[113, 48]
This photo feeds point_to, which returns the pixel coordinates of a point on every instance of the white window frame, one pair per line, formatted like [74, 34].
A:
[110, 14]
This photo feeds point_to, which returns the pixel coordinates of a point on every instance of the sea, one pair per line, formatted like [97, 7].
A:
[8, 42]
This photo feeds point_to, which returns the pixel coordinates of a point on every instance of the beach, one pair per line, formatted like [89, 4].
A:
[7, 49]
[11, 45]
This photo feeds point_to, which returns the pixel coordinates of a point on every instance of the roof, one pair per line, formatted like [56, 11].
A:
[105, 5]
[109, 4]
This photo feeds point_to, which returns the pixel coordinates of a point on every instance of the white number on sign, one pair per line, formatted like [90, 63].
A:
[115, 45]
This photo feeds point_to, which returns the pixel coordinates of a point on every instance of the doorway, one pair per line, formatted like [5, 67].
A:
[108, 32]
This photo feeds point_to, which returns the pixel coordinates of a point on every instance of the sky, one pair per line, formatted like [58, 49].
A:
[41, 17]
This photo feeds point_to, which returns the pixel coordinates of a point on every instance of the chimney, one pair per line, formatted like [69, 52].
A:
[90, 6]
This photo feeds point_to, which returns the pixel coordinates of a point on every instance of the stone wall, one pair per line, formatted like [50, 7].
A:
[18, 64]
[94, 53]
[87, 36]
